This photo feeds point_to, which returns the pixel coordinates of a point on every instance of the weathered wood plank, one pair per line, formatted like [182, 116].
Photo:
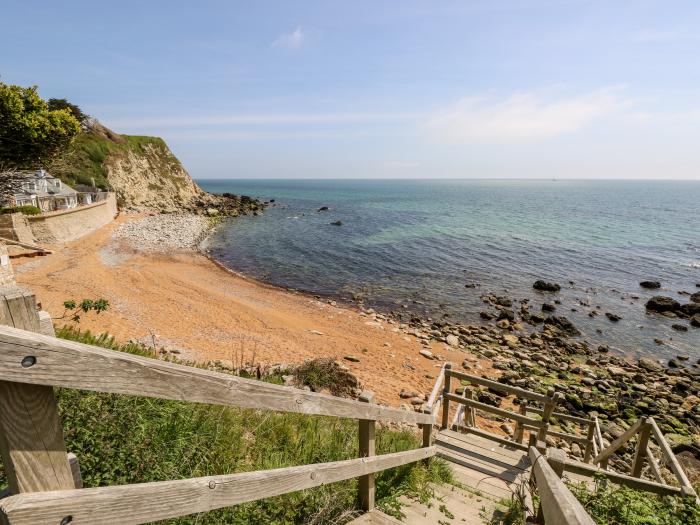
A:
[558, 505]
[494, 437]
[640, 449]
[31, 436]
[74, 365]
[561, 415]
[654, 466]
[437, 388]
[445, 392]
[144, 502]
[671, 461]
[562, 435]
[493, 410]
[514, 390]
[366, 486]
[585, 469]
[624, 438]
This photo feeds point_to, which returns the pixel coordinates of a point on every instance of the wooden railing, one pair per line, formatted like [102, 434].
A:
[539, 426]
[644, 430]
[43, 488]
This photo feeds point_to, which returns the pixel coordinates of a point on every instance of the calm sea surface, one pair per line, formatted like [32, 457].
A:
[415, 244]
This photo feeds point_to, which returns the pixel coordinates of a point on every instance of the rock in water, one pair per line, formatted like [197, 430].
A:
[337, 223]
[660, 303]
[613, 317]
[322, 208]
[544, 286]
[651, 285]
[695, 297]
[695, 321]
[690, 309]
[562, 324]
[679, 327]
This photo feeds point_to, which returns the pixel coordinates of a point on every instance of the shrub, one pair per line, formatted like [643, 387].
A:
[26, 210]
[325, 373]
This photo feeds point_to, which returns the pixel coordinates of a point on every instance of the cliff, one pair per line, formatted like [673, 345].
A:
[143, 172]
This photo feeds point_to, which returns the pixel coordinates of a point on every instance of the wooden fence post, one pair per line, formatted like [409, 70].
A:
[366, 487]
[31, 437]
[547, 414]
[519, 430]
[446, 402]
[589, 444]
[640, 451]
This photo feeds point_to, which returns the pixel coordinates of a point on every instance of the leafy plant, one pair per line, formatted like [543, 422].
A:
[73, 310]
[615, 505]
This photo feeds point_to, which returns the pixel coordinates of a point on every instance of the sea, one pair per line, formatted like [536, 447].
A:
[434, 248]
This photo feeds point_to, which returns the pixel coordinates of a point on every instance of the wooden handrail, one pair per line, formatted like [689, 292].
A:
[585, 469]
[495, 410]
[62, 363]
[560, 415]
[146, 502]
[437, 388]
[514, 390]
[624, 438]
[559, 506]
[686, 487]
[562, 435]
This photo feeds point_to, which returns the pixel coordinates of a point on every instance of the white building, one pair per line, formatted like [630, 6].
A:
[45, 192]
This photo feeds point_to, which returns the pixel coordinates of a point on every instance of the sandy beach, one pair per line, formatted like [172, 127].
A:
[188, 303]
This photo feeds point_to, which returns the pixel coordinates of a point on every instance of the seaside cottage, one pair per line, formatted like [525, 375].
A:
[44, 191]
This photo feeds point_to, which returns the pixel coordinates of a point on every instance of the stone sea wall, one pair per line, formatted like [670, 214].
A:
[68, 225]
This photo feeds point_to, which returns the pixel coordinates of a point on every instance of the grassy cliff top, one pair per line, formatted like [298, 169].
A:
[85, 159]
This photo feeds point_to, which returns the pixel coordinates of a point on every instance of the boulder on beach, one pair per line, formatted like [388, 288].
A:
[651, 285]
[544, 286]
[562, 324]
[660, 303]
[650, 365]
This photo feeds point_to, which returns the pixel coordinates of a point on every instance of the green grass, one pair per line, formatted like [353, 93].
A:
[85, 159]
[127, 439]
[615, 505]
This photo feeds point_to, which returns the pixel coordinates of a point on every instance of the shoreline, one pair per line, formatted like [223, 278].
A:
[199, 309]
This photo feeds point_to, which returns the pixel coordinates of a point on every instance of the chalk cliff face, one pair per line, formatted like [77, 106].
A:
[143, 172]
[149, 177]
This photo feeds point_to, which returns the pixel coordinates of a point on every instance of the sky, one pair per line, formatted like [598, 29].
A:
[379, 89]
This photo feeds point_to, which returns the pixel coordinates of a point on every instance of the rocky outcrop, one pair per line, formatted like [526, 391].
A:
[660, 304]
[651, 285]
[144, 173]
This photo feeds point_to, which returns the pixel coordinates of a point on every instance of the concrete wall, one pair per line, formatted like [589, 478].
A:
[15, 226]
[68, 225]
[7, 276]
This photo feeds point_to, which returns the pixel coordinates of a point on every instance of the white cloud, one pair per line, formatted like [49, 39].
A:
[521, 117]
[293, 40]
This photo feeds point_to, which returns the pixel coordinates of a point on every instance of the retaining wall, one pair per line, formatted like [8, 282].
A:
[68, 225]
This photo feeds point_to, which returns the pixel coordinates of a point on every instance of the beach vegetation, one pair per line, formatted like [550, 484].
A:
[74, 310]
[616, 505]
[326, 374]
[122, 439]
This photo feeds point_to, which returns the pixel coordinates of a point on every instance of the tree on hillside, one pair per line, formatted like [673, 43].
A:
[61, 103]
[31, 134]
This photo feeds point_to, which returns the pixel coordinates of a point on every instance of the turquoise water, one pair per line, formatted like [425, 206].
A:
[413, 245]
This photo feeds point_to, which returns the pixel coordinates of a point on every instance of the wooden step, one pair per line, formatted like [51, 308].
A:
[375, 517]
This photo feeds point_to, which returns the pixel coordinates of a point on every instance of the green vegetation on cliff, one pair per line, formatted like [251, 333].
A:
[84, 162]
[127, 439]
